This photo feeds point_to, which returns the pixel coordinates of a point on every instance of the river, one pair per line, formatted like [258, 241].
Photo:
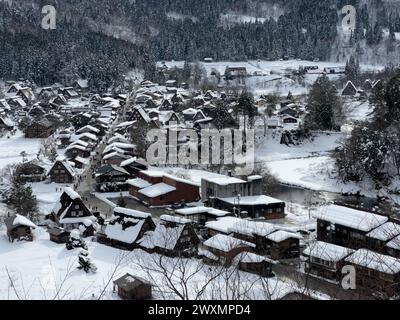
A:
[312, 198]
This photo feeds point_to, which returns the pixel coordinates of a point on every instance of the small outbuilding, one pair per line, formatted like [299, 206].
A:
[130, 287]
[19, 228]
[59, 235]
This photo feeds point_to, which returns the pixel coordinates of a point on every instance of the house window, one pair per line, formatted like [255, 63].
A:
[73, 213]
[77, 206]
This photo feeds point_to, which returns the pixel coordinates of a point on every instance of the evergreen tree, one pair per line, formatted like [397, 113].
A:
[325, 106]
[21, 198]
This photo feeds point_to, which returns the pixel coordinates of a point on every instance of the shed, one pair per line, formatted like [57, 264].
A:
[19, 228]
[59, 235]
[130, 287]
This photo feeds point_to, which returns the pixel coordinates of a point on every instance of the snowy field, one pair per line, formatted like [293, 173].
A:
[263, 67]
[53, 273]
[269, 148]
[10, 149]
[268, 77]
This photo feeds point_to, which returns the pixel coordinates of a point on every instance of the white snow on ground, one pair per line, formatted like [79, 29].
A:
[317, 173]
[358, 111]
[46, 195]
[53, 272]
[10, 149]
[270, 149]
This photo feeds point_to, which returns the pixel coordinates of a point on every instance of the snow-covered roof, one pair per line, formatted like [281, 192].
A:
[394, 243]
[356, 219]
[77, 220]
[327, 251]
[87, 135]
[132, 213]
[138, 183]
[375, 261]
[226, 243]
[82, 160]
[223, 225]
[161, 174]
[71, 193]
[89, 128]
[173, 219]
[128, 162]
[83, 83]
[202, 210]
[254, 178]
[224, 180]
[128, 235]
[252, 200]
[157, 190]
[162, 237]
[250, 228]
[249, 257]
[76, 146]
[113, 154]
[280, 236]
[23, 221]
[80, 142]
[118, 138]
[385, 232]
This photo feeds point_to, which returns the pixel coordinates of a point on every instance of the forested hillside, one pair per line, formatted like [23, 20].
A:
[99, 39]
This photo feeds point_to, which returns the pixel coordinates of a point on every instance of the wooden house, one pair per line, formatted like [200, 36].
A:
[283, 245]
[76, 150]
[26, 94]
[346, 227]
[61, 172]
[349, 90]
[32, 171]
[68, 92]
[6, 123]
[80, 162]
[81, 85]
[325, 260]
[19, 228]
[130, 287]
[379, 237]
[173, 236]
[134, 165]
[222, 249]
[39, 129]
[228, 186]
[71, 213]
[59, 235]
[115, 158]
[163, 189]
[5, 106]
[376, 274]
[126, 229]
[112, 178]
[252, 206]
[254, 263]
[201, 215]
[13, 89]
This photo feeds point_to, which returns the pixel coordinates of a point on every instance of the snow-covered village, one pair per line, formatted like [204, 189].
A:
[160, 176]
